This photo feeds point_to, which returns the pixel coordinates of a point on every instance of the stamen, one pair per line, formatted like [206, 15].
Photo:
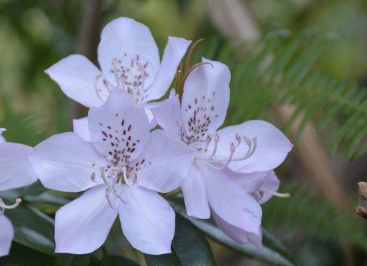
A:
[110, 187]
[238, 138]
[115, 62]
[108, 197]
[216, 140]
[276, 194]
[208, 140]
[191, 53]
[232, 149]
[193, 68]
[4, 207]
[96, 87]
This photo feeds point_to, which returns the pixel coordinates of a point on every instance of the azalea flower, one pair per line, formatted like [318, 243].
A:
[123, 167]
[232, 170]
[15, 172]
[129, 59]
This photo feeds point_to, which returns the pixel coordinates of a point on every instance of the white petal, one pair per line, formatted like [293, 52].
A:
[76, 76]
[164, 163]
[194, 191]
[82, 226]
[229, 201]
[272, 146]
[81, 128]
[6, 235]
[271, 183]
[147, 220]
[66, 162]
[131, 43]
[168, 116]
[118, 128]
[232, 231]
[238, 234]
[173, 53]
[205, 99]
[15, 169]
[251, 182]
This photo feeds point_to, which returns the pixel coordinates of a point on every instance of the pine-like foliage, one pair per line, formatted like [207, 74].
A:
[308, 214]
[280, 69]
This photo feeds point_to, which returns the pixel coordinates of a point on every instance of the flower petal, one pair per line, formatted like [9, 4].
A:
[119, 130]
[173, 53]
[168, 116]
[66, 162]
[238, 234]
[251, 182]
[15, 169]
[271, 183]
[229, 201]
[81, 128]
[147, 220]
[205, 99]
[133, 45]
[271, 150]
[6, 235]
[76, 76]
[194, 191]
[164, 163]
[82, 226]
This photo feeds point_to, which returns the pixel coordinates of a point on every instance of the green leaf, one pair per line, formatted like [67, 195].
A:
[117, 261]
[163, 260]
[32, 228]
[190, 245]
[23, 256]
[76, 260]
[189, 248]
[274, 254]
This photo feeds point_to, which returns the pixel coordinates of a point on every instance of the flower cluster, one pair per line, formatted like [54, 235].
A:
[132, 149]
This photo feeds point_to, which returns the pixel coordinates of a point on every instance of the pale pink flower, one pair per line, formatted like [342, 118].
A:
[129, 59]
[15, 172]
[233, 166]
[123, 167]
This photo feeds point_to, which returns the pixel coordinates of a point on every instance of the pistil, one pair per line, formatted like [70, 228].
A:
[4, 207]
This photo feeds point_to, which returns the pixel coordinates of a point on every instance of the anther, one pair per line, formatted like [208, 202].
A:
[216, 140]
[208, 140]
[232, 151]
[115, 61]
[238, 138]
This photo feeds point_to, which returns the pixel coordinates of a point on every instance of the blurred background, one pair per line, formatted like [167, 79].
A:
[318, 223]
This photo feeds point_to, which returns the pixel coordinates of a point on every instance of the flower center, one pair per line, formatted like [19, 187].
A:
[4, 207]
[131, 74]
[113, 177]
